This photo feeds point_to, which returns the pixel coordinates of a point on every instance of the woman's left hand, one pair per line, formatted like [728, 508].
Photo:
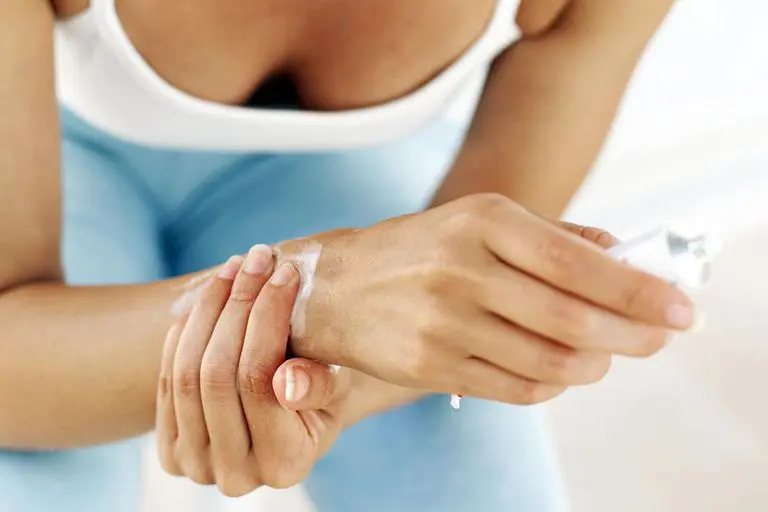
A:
[231, 410]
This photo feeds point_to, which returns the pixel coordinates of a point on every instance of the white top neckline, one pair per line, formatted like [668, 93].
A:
[102, 78]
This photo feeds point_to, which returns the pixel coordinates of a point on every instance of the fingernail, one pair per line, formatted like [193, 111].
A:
[230, 269]
[606, 239]
[284, 275]
[259, 259]
[680, 316]
[296, 384]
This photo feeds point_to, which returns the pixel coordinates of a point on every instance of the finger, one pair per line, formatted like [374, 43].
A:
[281, 445]
[558, 316]
[316, 393]
[301, 384]
[534, 357]
[266, 341]
[575, 265]
[484, 380]
[227, 426]
[193, 432]
[597, 236]
[165, 419]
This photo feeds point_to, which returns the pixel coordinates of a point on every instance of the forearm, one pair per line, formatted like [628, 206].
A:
[370, 396]
[547, 107]
[79, 365]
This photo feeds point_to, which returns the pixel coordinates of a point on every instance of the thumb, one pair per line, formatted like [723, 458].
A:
[303, 385]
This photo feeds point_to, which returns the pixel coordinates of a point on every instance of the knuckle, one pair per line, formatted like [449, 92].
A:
[652, 344]
[529, 392]
[187, 382]
[431, 324]
[415, 368]
[558, 254]
[593, 367]
[461, 226]
[285, 476]
[417, 365]
[198, 472]
[211, 298]
[236, 490]
[202, 479]
[284, 480]
[232, 490]
[561, 365]
[485, 202]
[459, 222]
[218, 376]
[242, 296]
[165, 385]
[168, 461]
[473, 212]
[435, 331]
[440, 280]
[254, 379]
[327, 387]
[601, 367]
[236, 484]
[638, 295]
[575, 326]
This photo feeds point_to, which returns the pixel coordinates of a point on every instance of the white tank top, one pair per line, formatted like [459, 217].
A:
[103, 79]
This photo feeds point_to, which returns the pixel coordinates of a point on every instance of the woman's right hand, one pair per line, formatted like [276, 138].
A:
[231, 410]
[479, 297]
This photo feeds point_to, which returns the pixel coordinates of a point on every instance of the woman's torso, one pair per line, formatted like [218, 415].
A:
[143, 69]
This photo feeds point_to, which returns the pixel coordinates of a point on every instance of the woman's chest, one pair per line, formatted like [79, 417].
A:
[339, 54]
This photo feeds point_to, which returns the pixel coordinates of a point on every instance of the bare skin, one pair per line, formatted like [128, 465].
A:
[225, 414]
[557, 88]
[79, 366]
[496, 303]
[232, 411]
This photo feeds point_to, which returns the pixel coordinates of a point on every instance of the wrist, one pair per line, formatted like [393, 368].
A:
[369, 396]
[314, 322]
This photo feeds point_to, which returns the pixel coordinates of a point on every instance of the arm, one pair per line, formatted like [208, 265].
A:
[550, 100]
[77, 365]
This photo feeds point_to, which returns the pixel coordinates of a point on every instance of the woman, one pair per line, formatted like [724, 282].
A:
[165, 173]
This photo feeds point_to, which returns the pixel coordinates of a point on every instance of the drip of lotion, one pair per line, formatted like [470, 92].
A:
[306, 263]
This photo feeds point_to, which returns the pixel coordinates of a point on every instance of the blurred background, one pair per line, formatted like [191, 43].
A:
[687, 430]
